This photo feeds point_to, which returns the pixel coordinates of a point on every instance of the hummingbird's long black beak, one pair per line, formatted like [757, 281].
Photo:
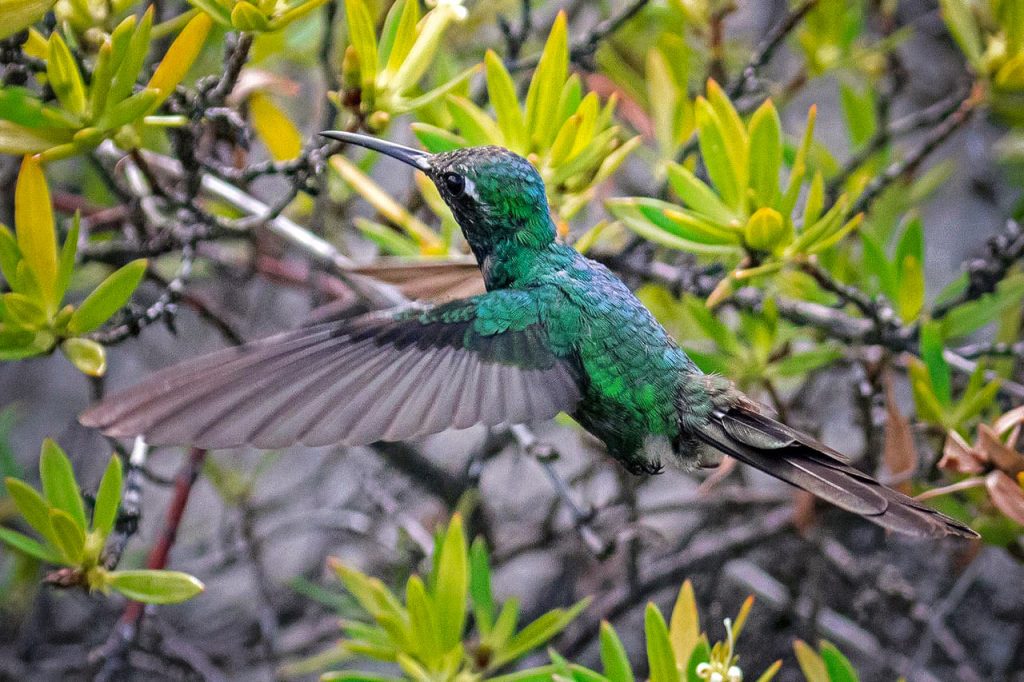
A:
[413, 157]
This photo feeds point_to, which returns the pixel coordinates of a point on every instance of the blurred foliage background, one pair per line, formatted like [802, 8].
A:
[819, 199]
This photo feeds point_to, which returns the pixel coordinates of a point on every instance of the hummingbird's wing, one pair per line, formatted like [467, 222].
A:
[774, 448]
[390, 376]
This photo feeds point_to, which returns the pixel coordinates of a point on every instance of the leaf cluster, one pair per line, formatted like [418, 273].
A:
[68, 538]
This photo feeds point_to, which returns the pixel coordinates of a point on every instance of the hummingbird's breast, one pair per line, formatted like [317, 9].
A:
[630, 367]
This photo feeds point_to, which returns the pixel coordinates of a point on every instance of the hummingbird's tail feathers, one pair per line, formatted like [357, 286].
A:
[799, 460]
[357, 382]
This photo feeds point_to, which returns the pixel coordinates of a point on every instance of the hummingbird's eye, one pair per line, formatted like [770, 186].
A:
[454, 183]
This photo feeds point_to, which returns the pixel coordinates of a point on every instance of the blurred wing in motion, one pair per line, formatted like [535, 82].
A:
[389, 376]
[798, 459]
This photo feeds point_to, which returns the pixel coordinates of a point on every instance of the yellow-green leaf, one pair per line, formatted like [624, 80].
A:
[502, 93]
[405, 33]
[59, 485]
[684, 625]
[135, 48]
[452, 585]
[282, 139]
[546, 85]
[247, 17]
[86, 355]
[28, 546]
[711, 136]
[110, 296]
[33, 220]
[614, 658]
[155, 587]
[659, 648]
[363, 38]
[70, 537]
[810, 662]
[19, 14]
[32, 507]
[108, 497]
[180, 56]
[765, 153]
[64, 76]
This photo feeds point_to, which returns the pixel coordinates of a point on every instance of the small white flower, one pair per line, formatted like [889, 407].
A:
[716, 677]
[703, 670]
[735, 674]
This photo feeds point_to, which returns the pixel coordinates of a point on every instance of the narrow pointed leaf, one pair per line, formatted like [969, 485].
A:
[614, 658]
[64, 76]
[659, 649]
[28, 546]
[66, 263]
[684, 624]
[405, 34]
[59, 485]
[546, 85]
[108, 497]
[32, 507]
[180, 56]
[765, 153]
[70, 536]
[110, 296]
[33, 220]
[452, 585]
[502, 93]
[282, 139]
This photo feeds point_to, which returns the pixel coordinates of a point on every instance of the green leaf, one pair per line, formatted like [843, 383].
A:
[614, 658]
[247, 17]
[436, 140]
[545, 89]
[86, 355]
[798, 364]
[397, 46]
[838, 667]
[363, 40]
[799, 169]
[859, 112]
[32, 507]
[64, 76]
[357, 676]
[33, 220]
[135, 51]
[810, 662]
[20, 14]
[452, 584]
[66, 263]
[423, 617]
[10, 255]
[59, 485]
[538, 632]
[660, 658]
[765, 153]
[697, 195]
[180, 56]
[19, 105]
[111, 295]
[480, 586]
[964, 29]
[711, 137]
[128, 110]
[99, 84]
[473, 124]
[155, 587]
[28, 546]
[23, 310]
[388, 239]
[70, 536]
[701, 654]
[932, 348]
[684, 624]
[108, 497]
[502, 93]
[969, 317]
[911, 292]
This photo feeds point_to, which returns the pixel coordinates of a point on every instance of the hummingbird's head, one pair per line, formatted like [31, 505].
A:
[495, 195]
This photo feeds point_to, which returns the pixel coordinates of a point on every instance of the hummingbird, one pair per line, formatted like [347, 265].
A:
[555, 332]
